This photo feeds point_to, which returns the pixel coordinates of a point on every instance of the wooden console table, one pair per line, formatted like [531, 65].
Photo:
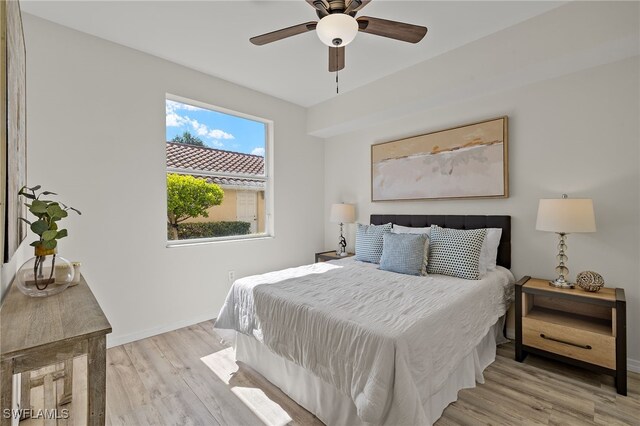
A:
[36, 332]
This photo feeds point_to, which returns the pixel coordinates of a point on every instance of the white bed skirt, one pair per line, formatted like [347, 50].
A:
[335, 408]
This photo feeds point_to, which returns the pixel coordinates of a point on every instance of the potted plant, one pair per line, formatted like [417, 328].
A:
[46, 273]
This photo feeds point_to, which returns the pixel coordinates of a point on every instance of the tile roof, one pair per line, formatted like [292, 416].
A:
[183, 156]
[189, 157]
[227, 181]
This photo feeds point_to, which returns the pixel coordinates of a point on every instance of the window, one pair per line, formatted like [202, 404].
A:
[218, 180]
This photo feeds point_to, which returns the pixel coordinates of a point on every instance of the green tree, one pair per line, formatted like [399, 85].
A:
[188, 138]
[188, 197]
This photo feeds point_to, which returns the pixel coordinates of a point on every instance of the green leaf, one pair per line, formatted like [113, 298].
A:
[27, 195]
[38, 207]
[24, 220]
[75, 210]
[49, 235]
[55, 211]
[51, 244]
[35, 243]
[35, 188]
[53, 226]
[61, 234]
[48, 193]
[39, 226]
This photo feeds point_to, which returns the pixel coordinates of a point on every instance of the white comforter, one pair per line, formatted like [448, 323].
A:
[386, 340]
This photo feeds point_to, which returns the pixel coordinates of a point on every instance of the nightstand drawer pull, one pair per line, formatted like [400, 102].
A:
[565, 342]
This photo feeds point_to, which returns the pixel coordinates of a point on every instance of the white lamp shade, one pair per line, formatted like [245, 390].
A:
[337, 26]
[342, 213]
[567, 215]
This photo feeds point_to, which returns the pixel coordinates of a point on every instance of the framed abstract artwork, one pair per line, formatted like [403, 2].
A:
[468, 161]
[14, 125]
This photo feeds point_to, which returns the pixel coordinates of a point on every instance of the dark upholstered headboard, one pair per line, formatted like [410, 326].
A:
[457, 222]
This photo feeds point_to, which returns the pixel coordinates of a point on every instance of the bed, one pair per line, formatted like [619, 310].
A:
[357, 345]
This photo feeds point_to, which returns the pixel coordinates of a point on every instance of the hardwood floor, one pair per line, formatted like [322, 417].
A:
[188, 377]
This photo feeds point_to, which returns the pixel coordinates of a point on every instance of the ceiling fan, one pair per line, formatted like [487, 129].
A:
[338, 27]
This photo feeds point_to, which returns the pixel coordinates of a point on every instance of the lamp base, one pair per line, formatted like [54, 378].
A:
[561, 283]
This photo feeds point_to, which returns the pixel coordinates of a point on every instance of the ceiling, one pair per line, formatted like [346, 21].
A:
[213, 37]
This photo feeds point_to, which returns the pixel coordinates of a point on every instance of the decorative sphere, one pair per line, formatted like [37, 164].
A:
[590, 281]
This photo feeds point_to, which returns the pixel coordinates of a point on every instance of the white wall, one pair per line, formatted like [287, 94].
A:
[96, 129]
[577, 133]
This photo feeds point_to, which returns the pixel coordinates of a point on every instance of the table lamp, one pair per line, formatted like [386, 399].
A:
[565, 216]
[342, 213]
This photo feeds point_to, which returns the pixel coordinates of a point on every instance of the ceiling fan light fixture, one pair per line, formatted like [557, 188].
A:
[337, 29]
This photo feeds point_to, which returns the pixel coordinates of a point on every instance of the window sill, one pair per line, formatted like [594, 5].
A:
[230, 239]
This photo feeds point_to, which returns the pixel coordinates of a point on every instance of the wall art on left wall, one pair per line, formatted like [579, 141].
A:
[14, 124]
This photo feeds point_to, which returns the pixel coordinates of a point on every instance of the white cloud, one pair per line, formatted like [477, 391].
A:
[204, 130]
[258, 151]
[220, 134]
[175, 120]
[200, 129]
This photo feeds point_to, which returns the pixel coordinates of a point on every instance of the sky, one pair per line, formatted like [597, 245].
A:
[215, 129]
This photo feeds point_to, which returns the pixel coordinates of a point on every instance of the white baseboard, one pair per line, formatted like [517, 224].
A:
[117, 340]
[633, 365]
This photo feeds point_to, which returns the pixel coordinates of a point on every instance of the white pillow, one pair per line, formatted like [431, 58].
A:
[489, 251]
[399, 229]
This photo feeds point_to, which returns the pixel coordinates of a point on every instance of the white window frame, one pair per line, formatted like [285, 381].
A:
[269, 231]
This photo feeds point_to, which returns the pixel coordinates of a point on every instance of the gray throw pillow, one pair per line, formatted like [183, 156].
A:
[403, 253]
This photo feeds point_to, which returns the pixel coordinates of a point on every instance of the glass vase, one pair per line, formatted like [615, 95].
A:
[45, 274]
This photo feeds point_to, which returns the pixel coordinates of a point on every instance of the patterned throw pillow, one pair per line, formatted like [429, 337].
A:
[369, 242]
[455, 252]
[403, 253]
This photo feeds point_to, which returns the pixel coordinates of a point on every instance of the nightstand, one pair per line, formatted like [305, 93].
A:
[588, 330]
[330, 255]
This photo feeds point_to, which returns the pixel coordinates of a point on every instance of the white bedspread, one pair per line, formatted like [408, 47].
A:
[386, 340]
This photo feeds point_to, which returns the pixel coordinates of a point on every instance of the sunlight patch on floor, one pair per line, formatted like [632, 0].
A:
[223, 364]
[267, 410]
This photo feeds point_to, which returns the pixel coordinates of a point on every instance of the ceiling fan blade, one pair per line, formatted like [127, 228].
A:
[283, 33]
[322, 6]
[336, 58]
[356, 5]
[392, 29]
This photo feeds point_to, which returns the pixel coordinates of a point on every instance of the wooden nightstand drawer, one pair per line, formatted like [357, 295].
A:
[575, 343]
